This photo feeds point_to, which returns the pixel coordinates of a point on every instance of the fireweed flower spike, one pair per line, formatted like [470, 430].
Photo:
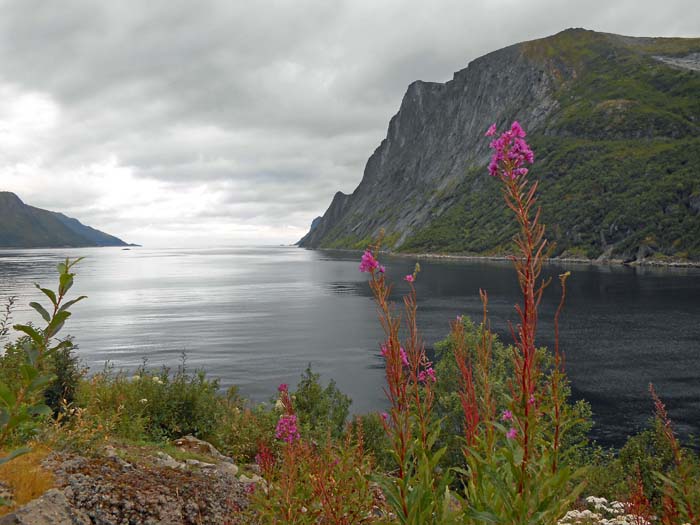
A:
[426, 374]
[287, 430]
[507, 415]
[409, 278]
[369, 263]
[512, 433]
[511, 153]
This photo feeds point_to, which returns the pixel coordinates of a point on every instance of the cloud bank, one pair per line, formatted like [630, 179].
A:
[176, 123]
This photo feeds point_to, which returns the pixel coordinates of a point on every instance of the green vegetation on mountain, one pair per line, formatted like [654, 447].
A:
[621, 196]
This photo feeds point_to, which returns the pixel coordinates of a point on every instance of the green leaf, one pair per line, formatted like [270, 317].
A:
[48, 293]
[56, 323]
[39, 382]
[71, 303]
[63, 344]
[29, 372]
[31, 352]
[65, 283]
[31, 332]
[6, 395]
[483, 517]
[42, 311]
[70, 264]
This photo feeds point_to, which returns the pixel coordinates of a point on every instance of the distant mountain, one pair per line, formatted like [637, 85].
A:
[615, 125]
[23, 226]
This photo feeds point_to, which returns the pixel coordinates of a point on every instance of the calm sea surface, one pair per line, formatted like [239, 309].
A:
[255, 317]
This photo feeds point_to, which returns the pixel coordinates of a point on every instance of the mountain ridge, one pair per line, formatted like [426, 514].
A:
[584, 97]
[25, 226]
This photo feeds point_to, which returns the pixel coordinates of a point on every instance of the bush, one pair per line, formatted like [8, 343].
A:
[376, 442]
[244, 429]
[320, 410]
[67, 370]
[308, 483]
[575, 447]
[63, 365]
[155, 406]
[21, 391]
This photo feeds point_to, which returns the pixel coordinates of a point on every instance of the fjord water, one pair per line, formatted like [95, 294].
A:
[255, 317]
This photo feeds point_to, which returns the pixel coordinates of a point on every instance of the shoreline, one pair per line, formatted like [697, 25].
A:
[504, 258]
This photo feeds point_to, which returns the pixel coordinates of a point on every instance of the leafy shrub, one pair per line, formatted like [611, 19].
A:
[376, 443]
[67, 370]
[244, 428]
[155, 406]
[575, 445]
[21, 397]
[320, 410]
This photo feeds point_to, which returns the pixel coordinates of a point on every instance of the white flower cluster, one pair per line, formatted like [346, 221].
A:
[602, 512]
[157, 380]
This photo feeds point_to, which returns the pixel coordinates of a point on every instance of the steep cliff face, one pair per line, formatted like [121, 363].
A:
[436, 133]
[565, 92]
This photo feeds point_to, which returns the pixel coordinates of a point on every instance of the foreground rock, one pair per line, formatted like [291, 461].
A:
[111, 491]
[53, 508]
[141, 485]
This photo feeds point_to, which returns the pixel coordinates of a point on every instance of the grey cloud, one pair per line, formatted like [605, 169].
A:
[263, 108]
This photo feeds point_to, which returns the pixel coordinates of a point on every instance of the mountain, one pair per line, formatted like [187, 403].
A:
[615, 125]
[23, 226]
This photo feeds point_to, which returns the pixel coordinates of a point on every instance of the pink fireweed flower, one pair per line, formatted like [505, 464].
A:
[287, 430]
[511, 152]
[382, 268]
[384, 352]
[368, 262]
[426, 374]
[512, 433]
[491, 131]
[409, 278]
[404, 357]
[385, 416]
[507, 415]
[283, 387]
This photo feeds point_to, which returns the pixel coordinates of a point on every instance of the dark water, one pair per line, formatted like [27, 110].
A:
[256, 317]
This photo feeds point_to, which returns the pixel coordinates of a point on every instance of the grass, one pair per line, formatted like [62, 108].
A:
[26, 478]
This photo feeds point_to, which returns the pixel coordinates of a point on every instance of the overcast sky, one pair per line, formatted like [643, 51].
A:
[175, 123]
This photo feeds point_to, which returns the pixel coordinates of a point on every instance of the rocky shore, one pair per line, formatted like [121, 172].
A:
[646, 262]
[129, 485]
